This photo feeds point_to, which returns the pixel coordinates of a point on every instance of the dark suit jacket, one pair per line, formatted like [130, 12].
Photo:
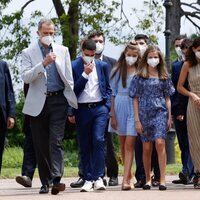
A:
[110, 61]
[7, 99]
[103, 77]
[179, 102]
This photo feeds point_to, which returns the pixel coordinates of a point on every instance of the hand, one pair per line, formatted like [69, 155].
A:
[88, 68]
[10, 122]
[180, 117]
[169, 124]
[196, 99]
[114, 122]
[51, 57]
[138, 127]
[72, 119]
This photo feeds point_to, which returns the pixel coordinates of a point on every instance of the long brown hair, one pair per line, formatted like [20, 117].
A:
[143, 66]
[121, 65]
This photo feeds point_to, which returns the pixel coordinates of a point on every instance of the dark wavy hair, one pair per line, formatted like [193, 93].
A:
[190, 55]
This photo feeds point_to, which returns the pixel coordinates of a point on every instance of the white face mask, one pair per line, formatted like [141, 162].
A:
[142, 49]
[178, 51]
[153, 62]
[99, 48]
[88, 59]
[197, 54]
[47, 40]
[130, 60]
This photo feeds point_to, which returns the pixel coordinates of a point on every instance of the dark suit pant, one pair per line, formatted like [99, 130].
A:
[48, 133]
[182, 135]
[91, 124]
[111, 161]
[29, 159]
[2, 139]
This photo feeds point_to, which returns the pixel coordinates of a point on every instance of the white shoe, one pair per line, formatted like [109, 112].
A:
[87, 187]
[98, 184]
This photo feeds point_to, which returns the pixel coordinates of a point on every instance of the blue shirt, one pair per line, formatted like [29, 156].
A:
[54, 82]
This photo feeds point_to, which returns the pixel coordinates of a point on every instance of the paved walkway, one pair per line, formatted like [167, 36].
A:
[10, 190]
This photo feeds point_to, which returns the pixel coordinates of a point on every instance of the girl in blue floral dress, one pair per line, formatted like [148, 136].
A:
[151, 89]
[122, 117]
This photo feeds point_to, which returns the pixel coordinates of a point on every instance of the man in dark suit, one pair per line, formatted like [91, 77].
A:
[91, 86]
[179, 109]
[7, 105]
[111, 161]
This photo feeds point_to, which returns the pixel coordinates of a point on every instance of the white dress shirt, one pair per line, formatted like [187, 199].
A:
[91, 93]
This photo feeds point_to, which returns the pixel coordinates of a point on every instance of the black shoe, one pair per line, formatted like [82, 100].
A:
[44, 189]
[139, 184]
[184, 177]
[146, 187]
[178, 181]
[79, 183]
[162, 187]
[113, 181]
[104, 181]
[58, 187]
[155, 182]
[24, 180]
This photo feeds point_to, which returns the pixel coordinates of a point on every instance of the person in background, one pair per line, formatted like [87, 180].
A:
[143, 41]
[46, 67]
[151, 89]
[29, 158]
[91, 85]
[177, 45]
[122, 116]
[110, 159]
[191, 72]
[179, 108]
[7, 105]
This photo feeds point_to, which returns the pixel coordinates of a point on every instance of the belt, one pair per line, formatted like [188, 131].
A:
[50, 94]
[91, 105]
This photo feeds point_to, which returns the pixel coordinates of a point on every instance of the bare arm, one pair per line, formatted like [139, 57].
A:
[138, 124]
[180, 87]
[168, 104]
[112, 112]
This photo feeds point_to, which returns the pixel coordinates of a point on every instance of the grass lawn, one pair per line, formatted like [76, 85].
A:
[12, 161]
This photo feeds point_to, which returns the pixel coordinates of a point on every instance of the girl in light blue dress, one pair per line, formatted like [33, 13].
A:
[122, 116]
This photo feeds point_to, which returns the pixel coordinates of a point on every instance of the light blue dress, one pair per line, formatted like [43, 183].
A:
[123, 107]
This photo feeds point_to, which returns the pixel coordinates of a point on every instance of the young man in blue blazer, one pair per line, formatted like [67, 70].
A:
[91, 86]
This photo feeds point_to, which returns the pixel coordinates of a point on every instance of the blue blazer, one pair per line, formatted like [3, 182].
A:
[7, 99]
[103, 77]
[179, 102]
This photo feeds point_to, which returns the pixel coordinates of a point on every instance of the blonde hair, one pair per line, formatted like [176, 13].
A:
[143, 66]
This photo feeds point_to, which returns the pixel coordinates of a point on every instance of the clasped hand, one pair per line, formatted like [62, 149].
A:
[51, 57]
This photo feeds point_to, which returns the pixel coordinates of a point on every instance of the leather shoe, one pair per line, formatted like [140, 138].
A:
[44, 189]
[113, 181]
[178, 181]
[24, 180]
[77, 184]
[184, 177]
[147, 187]
[162, 187]
[58, 187]
[139, 184]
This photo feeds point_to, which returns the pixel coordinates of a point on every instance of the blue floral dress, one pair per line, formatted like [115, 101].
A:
[153, 111]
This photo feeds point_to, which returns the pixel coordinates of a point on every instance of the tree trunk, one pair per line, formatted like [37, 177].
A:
[69, 24]
[175, 19]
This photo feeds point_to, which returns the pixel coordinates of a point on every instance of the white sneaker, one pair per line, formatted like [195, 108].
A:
[87, 187]
[98, 184]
